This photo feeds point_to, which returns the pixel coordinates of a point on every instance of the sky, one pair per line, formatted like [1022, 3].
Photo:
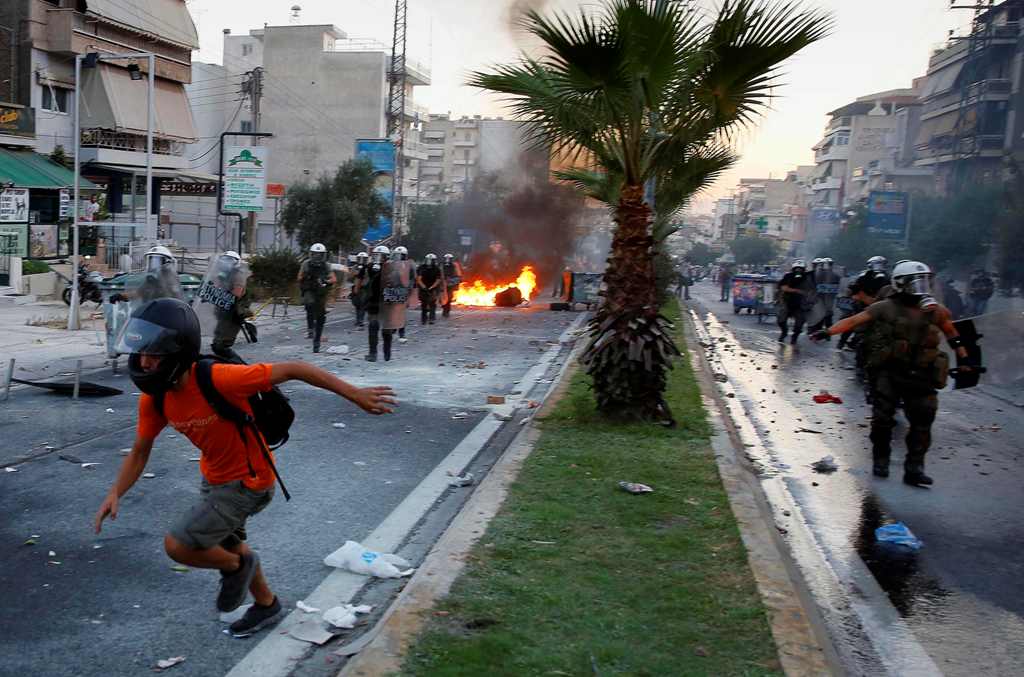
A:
[876, 45]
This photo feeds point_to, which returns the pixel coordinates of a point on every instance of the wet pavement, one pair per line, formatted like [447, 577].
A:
[77, 603]
[959, 600]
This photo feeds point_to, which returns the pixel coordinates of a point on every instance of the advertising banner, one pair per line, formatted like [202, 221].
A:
[14, 205]
[245, 178]
[887, 214]
[381, 154]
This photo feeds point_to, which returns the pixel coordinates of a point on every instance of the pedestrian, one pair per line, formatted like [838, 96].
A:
[906, 365]
[374, 303]
[428, 281]
[163, 340]
[981, 289]
[686, 280]
[358, 292]
[315, 281]
[225, 288]
[725, 281]
[796, 288]
[451, 271]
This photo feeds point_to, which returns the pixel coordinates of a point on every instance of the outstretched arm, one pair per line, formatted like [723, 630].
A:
[850, 323]
[376, 400]
[944, 319]
[131, 469]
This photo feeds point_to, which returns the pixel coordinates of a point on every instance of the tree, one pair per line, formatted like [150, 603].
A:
[646, 91]
[955, 232]
[701, 255]
[430, 230]
[335, 211]
[751, 250]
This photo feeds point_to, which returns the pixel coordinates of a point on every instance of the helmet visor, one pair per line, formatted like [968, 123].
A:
[155, 263]
[143, 337]
[919, 284]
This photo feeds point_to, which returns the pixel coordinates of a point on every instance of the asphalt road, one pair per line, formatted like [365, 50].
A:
[75, 603]
[959, 601]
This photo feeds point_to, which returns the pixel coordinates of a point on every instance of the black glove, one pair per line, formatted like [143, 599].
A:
[820, 335]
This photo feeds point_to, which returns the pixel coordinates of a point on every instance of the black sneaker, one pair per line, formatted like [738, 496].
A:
[372, 357]
[234, 587]
[255, 619]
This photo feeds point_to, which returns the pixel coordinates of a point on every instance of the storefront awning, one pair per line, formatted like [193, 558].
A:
[943, 125]
[941, 81]
[167, 20]
[112, 100]
[26, 169]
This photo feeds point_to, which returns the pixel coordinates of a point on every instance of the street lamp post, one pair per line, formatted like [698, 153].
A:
[92, 60]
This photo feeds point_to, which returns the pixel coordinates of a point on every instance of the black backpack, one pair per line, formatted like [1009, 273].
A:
[272, 416]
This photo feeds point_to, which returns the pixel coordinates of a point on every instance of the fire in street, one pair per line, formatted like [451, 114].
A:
[480, 294]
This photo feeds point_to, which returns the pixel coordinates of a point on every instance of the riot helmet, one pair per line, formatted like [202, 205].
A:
[912, 278]
[827, 262]
[879, 264]
[318, 253]
[227, 263]
[158, 259]
[431, 260]
[362, 257]
[162, 339]
[799, 266]
[402, 253]
[380, 255]
[448, 258]
[816, 263]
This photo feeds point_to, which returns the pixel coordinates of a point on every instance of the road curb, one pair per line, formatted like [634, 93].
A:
[402, 622]
[804, 645]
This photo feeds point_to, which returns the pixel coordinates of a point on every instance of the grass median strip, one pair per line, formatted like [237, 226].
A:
[577, 577]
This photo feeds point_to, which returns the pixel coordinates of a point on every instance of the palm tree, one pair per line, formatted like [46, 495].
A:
[646, 92]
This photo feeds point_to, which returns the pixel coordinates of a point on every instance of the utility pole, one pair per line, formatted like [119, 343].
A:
[255, 90]
[396, 111]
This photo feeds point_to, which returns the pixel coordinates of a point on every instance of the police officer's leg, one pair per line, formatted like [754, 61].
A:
[224, 336]
[883, 419]
[373, 331]
[388, 335]
[783, 319]
[920, 411]
[321, 318]
[432, 311]
[360, 312]
[310, 319]
[446, 309]
[798, 324]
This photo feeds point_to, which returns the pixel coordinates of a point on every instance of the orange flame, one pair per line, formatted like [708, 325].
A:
[479, 294]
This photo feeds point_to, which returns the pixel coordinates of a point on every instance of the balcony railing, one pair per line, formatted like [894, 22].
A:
[105, 138]
[836, 123]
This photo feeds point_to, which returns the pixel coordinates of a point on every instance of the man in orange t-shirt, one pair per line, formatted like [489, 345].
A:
[163, 340]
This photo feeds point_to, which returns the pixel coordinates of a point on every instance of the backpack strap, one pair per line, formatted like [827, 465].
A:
[229, 412]
[158, 403]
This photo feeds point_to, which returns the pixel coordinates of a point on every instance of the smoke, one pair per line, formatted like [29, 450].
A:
[520, 219]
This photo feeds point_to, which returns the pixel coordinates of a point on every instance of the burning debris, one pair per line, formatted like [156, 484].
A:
[507, 295]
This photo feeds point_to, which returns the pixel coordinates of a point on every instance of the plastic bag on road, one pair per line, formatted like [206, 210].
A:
[359, 560]
[898, 534]
[344, 616]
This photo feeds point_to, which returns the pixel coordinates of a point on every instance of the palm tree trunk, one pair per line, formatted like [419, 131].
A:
[630, 351]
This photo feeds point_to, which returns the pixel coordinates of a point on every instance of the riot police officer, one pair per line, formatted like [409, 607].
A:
[826, 283]
[400, 256]
[796, 289]
[225, 288]
[315, 281]
[451, 271]
[358, 291]
[429, 281]
[161, 276]
[906, 365]
[374, 301]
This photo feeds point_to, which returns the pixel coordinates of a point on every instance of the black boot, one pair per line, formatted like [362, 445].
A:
[388, 335]
[880, 463]
[310, 321]
[913, 474]
[372, 333]
[792, 341]
[783, 335]
[318, 332]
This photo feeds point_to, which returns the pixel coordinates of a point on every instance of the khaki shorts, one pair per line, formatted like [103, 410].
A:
[219, 517]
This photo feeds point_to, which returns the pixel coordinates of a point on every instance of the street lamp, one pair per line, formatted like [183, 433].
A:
[91, 60]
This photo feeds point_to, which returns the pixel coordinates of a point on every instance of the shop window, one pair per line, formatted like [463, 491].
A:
[55, 99]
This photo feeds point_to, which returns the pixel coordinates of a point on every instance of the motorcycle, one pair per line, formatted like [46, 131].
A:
[88, 286]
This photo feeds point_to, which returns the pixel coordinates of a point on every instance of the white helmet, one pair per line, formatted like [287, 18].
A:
[401, 252]
[799, 263]
[430, 258]
[879, 264]
[158, 257]
[232, 255]
[912, 277]
[362, 255]
[381, 249]
[448, 258]
[827, 261]
[817, 261]
[318, 248]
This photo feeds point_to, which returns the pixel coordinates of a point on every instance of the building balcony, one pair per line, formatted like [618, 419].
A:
[416, 111]
[463, 143]
[831, 153]
[467, 124]
[463, 162]
[827, 183]
[431, 170]
[414, 150]
[417, 74]
[845, 122]
[433, 136]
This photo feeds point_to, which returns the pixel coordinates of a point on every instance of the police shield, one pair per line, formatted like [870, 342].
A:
[221, 296]
[397, 279]
[157, 280]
